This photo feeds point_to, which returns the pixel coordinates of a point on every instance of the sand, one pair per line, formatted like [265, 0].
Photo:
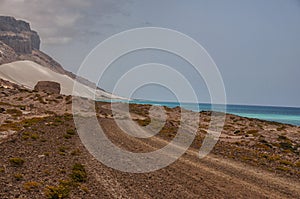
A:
[28, 73]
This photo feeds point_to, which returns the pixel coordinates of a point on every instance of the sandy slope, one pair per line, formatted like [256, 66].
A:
[28, 73]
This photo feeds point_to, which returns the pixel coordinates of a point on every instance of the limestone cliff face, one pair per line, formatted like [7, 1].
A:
[18, 35]
[18, 42]
[7, 54]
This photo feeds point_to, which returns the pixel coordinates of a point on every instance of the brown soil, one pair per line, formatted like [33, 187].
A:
[42, 153]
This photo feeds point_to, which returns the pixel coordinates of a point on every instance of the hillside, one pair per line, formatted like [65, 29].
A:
[28, 73]
[19, 43]
[42, 155]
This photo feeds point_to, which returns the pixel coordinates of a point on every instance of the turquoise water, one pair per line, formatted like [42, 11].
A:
[288, 115]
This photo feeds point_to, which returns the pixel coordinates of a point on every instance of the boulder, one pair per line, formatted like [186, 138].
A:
[48, 87]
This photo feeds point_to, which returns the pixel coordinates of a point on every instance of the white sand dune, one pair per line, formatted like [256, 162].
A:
[28, 73]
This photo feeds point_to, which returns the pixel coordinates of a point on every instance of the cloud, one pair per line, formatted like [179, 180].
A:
[57, 40]
[59, 21]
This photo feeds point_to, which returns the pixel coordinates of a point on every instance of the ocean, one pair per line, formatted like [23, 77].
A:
[287, 115]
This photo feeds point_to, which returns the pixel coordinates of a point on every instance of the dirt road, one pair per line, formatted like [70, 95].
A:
[189, 176]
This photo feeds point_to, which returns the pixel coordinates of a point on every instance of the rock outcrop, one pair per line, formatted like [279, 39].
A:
[18, 42]
[7, 54]
[48, 87]
[18, 35]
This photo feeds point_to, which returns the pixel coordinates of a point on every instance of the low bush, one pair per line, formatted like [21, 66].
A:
[58, 120]
[30, 122]
[62, 150]
[285, 162]
[31, 185]
[61, 191]
[2, 169]
[283, 168]
[71, 132]
[16, 161]
[78, 173]
[67, 136]
[18, 176]
[27, 135]
[34, 136]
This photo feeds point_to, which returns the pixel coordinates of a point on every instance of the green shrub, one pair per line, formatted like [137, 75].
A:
[34, 136]
[2, 169]
[16, 161]
[62, 150]
[58, 120]
[274, 157]
[67, 136]
[57, 192]
[30, 122]
[31, 185]
[286, 162]
[78, 173]
[71, 132]
[283, 168]
[18, 176]
[27, 135]
[10, 126]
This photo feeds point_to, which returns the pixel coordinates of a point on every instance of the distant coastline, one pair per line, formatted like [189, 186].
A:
[286, 115]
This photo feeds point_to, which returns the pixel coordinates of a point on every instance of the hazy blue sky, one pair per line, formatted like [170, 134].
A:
[255, 43]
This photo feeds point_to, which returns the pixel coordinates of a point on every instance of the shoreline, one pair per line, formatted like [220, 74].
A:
[292, 118]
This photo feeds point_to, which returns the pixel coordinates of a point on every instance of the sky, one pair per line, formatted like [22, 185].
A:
[254, 43]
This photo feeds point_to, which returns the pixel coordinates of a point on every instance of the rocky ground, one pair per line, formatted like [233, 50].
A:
[43, 157]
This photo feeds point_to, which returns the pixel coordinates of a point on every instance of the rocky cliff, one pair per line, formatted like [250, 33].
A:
[18, 42]
[18, 35]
